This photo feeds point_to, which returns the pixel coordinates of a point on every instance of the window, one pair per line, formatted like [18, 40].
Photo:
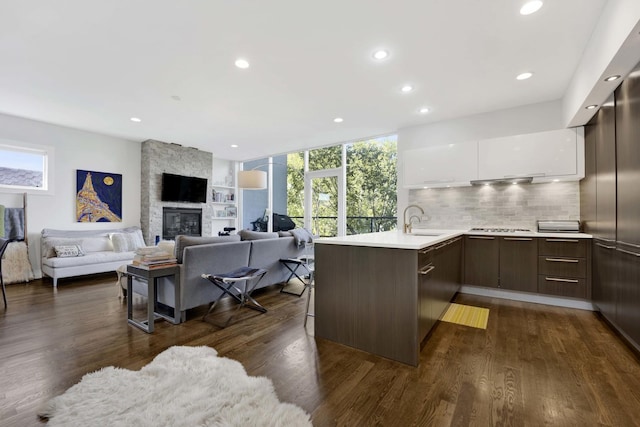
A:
[372, 185]
[24, 167]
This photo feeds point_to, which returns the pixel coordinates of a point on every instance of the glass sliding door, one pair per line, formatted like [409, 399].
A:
[324, 205]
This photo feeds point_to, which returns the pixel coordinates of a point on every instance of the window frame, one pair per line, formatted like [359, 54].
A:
[47, 153]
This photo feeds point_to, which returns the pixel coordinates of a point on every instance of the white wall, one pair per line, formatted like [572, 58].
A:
[74, 149]
[612, 49]
[514, 121]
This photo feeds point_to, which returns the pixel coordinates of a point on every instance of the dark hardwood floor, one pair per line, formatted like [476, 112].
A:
[534, 365]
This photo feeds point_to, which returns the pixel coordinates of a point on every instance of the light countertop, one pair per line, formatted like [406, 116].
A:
[420, 239]
[391, 239]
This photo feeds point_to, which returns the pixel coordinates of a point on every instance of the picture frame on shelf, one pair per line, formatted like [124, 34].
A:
[231, 211]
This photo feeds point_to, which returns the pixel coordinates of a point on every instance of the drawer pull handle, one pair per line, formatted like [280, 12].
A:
[564, 240]
[574, 261]
[605, 246]
[528, 239]
[426, 270]
[604, 240]
[426, 250]
[556, 279]
[627, 252]
[482, 237]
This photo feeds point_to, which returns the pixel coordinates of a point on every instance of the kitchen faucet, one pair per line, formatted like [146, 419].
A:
[407, 225]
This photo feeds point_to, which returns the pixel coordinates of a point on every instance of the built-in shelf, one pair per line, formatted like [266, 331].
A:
[224, 195]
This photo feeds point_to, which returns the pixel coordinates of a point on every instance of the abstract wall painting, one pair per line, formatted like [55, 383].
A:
[98, 196]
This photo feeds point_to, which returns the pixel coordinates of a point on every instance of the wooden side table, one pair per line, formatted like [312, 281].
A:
[151, 276]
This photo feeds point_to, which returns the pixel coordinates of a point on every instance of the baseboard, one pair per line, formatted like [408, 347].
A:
[527, 297]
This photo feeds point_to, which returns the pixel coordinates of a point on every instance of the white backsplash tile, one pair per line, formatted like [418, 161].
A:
[503, 205]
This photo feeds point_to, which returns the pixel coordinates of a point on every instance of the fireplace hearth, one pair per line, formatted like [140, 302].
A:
[181, 221]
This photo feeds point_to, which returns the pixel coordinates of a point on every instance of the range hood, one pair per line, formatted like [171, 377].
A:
[514, 180]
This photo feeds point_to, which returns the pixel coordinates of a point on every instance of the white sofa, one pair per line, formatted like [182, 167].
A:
[102, 251]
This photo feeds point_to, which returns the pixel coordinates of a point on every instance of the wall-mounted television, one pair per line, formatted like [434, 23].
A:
[179, 188]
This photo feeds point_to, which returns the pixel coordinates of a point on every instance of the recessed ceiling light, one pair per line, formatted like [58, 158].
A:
[338, 120]
[135, 119]
[524, 76]
[424, 110]
[486, 183]
[556, 180]
[380, 54]
[242, 63]
[234, 145]
[407, 88]
[530, 7]
[514, 183]
[612, 78]
[591, 107]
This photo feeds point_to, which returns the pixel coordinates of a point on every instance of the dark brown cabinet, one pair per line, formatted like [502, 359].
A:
[605, 162]
[447, 259]
[628, 289]
[552, 266]
[501, 262]
[426, 284]
[481, 260]
[384, 300]
[598, 189]
[563, 267]
[627, 116]
[616, 246]
[604, 278]
[518, 268]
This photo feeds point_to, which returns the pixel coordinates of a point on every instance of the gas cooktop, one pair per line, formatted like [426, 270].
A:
[499, 230]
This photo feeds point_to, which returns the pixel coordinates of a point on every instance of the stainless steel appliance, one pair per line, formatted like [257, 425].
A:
[558, 226]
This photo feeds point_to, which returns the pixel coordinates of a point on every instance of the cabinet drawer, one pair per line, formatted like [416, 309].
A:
[425, 256]
[562, 266]
[563, 247]
[562, 286]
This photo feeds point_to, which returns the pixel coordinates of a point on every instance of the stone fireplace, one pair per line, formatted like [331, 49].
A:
[181, 221]
[160, 157]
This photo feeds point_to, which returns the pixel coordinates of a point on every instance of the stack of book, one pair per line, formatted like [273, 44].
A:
[152, 257]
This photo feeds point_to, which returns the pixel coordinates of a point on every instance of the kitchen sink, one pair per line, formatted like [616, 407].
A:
[418, 232]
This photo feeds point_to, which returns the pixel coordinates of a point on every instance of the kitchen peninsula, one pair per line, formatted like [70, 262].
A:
[383, 292]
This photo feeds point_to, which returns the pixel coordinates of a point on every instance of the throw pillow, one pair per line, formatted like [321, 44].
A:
[184, 241]
[256, 235]
[122, 242]
[127, 241]
[50, 243]
[68, 251]
[97, 244]
[138, 240]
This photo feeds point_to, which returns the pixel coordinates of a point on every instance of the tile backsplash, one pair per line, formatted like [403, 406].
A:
[502, 205]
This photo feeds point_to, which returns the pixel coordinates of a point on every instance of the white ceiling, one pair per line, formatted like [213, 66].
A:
[92, 65]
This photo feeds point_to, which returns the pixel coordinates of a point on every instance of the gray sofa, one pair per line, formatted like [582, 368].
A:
[196, 255]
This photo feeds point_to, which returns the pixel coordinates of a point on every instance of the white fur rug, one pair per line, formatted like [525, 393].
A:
[182, 386]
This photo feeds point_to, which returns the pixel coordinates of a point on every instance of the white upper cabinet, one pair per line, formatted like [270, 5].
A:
[441, 166]
[542, 155]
